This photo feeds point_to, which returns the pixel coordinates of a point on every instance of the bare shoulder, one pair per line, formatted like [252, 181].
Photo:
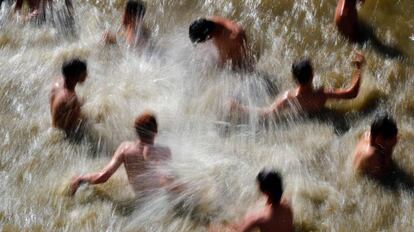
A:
[252, 221]
[231, 25]
[163, 149]
[125, 147]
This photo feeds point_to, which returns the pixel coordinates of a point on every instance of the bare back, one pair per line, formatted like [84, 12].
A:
[138, 160]
[231, 43]
[309, 102]
[64, 107]
[271, 219]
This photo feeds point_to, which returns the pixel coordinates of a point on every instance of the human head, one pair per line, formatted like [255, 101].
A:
[74, 71]
[134, 9]
[200, 30]
[384, 131]
[270, 183]
[302, 71]
[146, 126]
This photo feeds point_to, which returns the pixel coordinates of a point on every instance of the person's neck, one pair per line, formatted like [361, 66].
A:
[69, 86]
[304, 89]
[217, 31]
[146, 142]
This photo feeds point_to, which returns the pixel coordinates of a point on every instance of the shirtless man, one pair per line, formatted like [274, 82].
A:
[229, 38]
[64, 104]
[135, 32]
[276, 215]
[346, 18]
[37, 7]
[373, 154]
[137, 156]
[305, 97]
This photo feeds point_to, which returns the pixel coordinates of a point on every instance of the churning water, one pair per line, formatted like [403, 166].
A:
[181, 84]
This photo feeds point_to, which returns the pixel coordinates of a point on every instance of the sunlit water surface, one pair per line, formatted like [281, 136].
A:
[180, 83]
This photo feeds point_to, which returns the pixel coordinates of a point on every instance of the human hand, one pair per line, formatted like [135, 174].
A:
[358, 59]
[74, 184]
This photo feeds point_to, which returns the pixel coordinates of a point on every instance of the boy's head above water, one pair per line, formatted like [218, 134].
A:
[270, 184]
[146, 126]
[384, 131]
[200, 30]
[74, 70]
[302, 71]
[134, 9]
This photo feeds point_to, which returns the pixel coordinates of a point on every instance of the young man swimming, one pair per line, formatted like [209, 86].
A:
[346, 18]
[276, 215]
[305, 97]
[137, 156]
[134, 30]
[65, 108]
[373, 154]
[229, 39]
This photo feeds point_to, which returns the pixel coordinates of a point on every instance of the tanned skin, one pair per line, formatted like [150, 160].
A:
[65, 108]
[373, 156]
[231, 42]
[134, 31]
[346, 18]
[273, 217]
[137, 157]
[306, 98]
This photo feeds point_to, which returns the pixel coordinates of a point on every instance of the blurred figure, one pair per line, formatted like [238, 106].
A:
[37, 8]
[137, 156]
[373, 154]
[305, 97]
[229, 38]
[346, 18]
[276, 215]
[134, 30]
[64, 104]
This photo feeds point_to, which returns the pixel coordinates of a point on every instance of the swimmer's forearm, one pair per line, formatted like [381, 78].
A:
[93, 178]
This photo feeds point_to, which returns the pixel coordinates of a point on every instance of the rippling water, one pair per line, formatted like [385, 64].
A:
[180, 83]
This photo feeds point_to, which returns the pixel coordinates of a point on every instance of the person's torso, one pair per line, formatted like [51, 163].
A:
[140, 163]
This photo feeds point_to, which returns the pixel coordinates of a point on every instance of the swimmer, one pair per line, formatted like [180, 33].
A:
[38, 7]
[134, 30]
[373, 154]
[65, 107]
[346, 18]
[276, 215]
[305, 97]
[229, 38]
[137, 156]
[35, 6]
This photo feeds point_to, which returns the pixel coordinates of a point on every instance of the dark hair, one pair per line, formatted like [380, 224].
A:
[200, 30]
[302, 71]
[384, 125]
[146, 126]
[135, 8]
[270, 183]
[73, 68]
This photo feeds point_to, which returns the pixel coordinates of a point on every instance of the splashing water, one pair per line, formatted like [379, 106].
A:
[182, 85]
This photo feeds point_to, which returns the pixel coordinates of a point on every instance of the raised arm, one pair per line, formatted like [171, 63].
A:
[103, 175]
[351, 92]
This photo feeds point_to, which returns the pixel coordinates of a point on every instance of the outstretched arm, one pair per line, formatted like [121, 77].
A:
[102, 176]
[351, 92]
[264, 112]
